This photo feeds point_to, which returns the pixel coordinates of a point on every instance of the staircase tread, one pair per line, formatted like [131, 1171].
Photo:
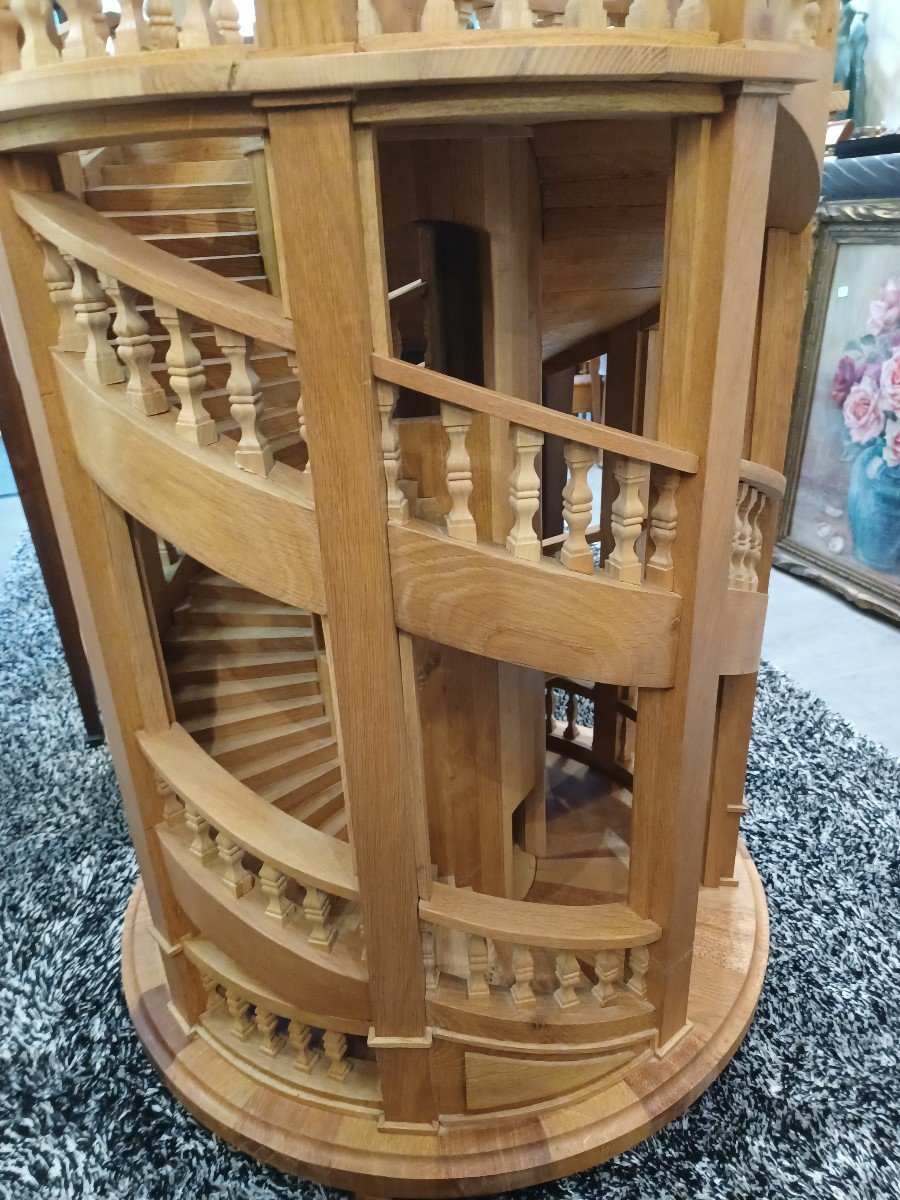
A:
[237, 687]
[335, 823]
[244, 771]
[283, 787]
[239, 713]
[212, 605]
[237, 633]
[257, 737]
[200, 662]
[307, 809]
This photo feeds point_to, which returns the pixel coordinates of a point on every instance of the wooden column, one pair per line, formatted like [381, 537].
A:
[102, 571]
[714, 254]
[326, 188]
[782, 310]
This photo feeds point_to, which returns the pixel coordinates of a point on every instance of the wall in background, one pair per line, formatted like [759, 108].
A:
[883, 62]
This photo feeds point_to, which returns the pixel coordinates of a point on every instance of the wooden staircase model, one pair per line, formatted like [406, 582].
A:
[298, 317]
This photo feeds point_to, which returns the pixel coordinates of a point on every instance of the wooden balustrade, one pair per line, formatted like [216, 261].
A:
[608, 743]
[90, 33]
[88, 262]
[758, 487]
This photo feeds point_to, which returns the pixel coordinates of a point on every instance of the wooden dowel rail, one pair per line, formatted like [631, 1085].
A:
[285, 845]
[76, 230]
[532, 416]
[520, 922]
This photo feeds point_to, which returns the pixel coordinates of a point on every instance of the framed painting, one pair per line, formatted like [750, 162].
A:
[840, 522]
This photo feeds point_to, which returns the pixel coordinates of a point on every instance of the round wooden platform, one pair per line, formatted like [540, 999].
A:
[497, 1153]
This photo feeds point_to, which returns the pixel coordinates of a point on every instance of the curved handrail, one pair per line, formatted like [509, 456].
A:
[554, 926]
[76, 229]
[532, 416]
[302, 853]
[765, 479]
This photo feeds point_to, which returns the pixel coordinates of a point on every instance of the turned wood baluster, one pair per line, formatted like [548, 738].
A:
[60, 284]
[88, 30]
[649, 14]
[301, 409]
[35, 17]
[609, 966]
[185, 367]
[254, 452]
[161, 33]
[215, 1001]
[273, 883]
[429, 957]
[571, 730]
[174, 813]
[805, 21]
[628, 513]
[316, 908]
[741, 541]
[300, 1036]
[367, 19]
[135, 349]
[585, 14]
[236, 877]
[225, 18]
[460, 523]
[271, 1042]
[202, 844]
[479, 961]
[568, 974]
[639, 961]
[127, 38]
[523, 970]
[525, 495]
[511, 14]
[577, 501]
[335, 1046]
[693, 15]
[92, 314]
[754, 551]
[194, 31]
[239, 1011]
[439, 16]
[10, 58]
[397, 504]
[663, 527]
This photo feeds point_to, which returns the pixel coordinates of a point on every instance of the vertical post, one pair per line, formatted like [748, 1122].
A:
[326, 188]
[97, 550]
[714, 254]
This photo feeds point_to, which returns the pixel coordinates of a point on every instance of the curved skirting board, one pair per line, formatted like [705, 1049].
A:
[472, 1154]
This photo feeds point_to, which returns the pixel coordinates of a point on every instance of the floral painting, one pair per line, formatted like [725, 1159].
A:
[844, 513]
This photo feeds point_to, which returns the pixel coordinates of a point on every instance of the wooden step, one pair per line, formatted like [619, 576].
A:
[195, 699]
[193, 150]
[336, 826]
[271, 716]
[137, 197]
[278, 424]
[211, 612]
[242, 749]
[221, 666]
[211, 585]
[251, 640]
[271, 368]
[226, 170]
[289, 791]
[223, 243]
[321, 807]
[193, 221]
[232, 266]
[259, 774]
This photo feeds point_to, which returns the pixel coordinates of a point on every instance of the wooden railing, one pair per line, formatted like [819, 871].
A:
[90, 262]
[608, 743]
[648, 475]
[759, 487]
[165, 25]
[612, 936]
[229, 826]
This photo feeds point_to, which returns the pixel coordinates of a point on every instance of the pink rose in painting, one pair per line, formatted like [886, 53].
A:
[892, 444]
[844, 378]
[890, 384]
[862, 412]
[884, 313]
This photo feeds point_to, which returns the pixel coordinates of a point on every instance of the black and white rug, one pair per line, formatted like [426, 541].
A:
[810, 1107]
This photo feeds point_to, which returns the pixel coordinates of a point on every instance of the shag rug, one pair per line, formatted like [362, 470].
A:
[810, 1107]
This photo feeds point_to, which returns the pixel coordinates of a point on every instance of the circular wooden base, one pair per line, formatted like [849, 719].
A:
[348, 1151]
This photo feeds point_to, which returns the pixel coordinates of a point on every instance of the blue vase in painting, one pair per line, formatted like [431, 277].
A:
[873, 506]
